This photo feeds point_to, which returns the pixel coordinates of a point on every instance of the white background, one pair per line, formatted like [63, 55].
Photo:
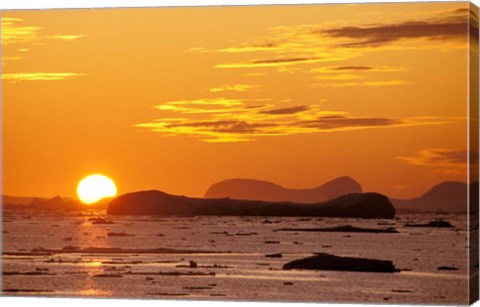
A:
[42, 4]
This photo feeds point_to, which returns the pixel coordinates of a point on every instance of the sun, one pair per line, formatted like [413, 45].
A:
[95, 187]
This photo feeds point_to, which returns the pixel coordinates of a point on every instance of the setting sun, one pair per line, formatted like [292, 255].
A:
[95, 187]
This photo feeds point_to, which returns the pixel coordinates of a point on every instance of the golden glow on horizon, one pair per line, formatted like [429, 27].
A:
[95, 187]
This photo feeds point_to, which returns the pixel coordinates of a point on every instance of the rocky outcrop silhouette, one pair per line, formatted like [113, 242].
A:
[344, 228]
[432, 224]
[324, 261]
[367, 205]
[450, 196]
[263, 190]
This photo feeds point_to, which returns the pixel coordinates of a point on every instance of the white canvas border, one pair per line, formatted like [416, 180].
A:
[58, 4]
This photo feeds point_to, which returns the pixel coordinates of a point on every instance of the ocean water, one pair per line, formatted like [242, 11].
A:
[68, 254]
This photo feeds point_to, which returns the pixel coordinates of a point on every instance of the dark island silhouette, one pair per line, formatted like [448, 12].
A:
[445, 197]
[267, 191]
[449, 196]
[358, 205]
[324, 261]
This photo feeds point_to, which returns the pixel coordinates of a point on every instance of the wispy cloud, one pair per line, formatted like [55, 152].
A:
[12, 32]
[267, 46]
[65, 37]
[202, 106]
[37, 76]
[233, 88]
[15, 30]
[357, 69]
[234, 120]
[351, 73]
[302, 45]
[451, 161]
[365, 83]
[224, 102]
[277, 62]
[437, 157]
[345, 122]
[446, 28]
[289, 110]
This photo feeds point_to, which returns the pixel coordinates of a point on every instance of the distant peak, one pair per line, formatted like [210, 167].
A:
[254, 189]
[342, 179]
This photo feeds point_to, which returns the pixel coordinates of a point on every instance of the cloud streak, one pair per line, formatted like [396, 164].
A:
[290, 110]
[365, 83]
[374, 36]
[452, 161]
[14, 32]
[235, 120]
[233, 88]
[309, 44]
[277, 62]
[39, 76]
[357, 69]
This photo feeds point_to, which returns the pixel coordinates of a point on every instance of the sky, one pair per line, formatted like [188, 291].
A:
[177, 99]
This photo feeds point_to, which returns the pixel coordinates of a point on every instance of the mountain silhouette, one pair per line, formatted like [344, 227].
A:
[367, 205]
[449, 196]
[251, 189]
[56, 202]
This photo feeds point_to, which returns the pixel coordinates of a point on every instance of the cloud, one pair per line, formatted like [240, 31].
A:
[226, 126]
[439, 28]
[342, 122]
[241, 130]
[202, 106]
[437, 157]
[233, 88]
[267, 46]
[305, 44]
[290, 110]
[354, 72]
[237, 120]
[14, 32]
[65, 37]
[213, 101]
[277, 62]
[353, 68]
[197, 50]
[451, 161]
[356, 68]
[37, 76]
[365, 83]
[337, 75]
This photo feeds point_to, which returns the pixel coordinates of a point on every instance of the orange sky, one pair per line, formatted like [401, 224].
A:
[177, 99]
